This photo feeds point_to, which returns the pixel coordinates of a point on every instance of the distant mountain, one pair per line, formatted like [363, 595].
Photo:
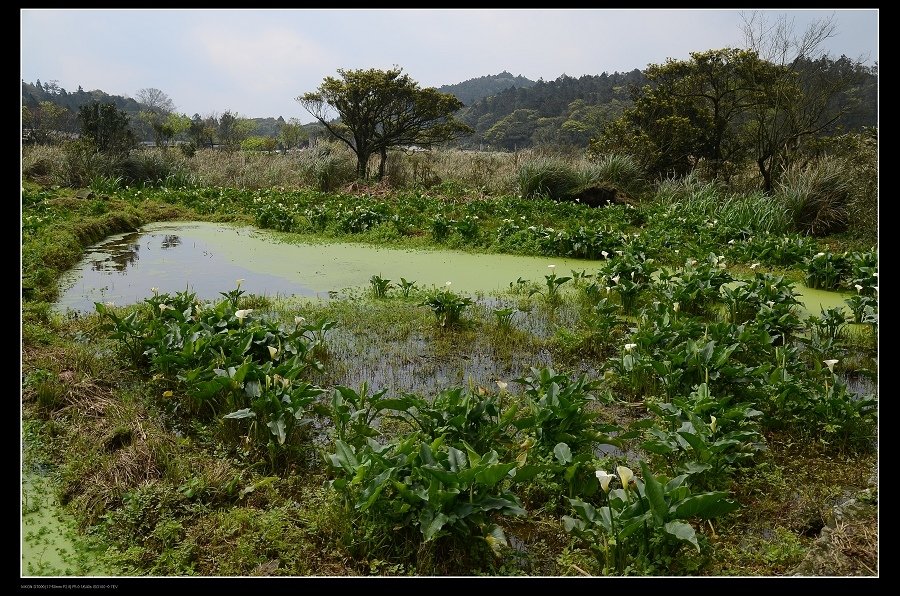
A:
[472, 90]
[35, 93]
[567, 111]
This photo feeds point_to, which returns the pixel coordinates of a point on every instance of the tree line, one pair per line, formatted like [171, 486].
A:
[719, 110]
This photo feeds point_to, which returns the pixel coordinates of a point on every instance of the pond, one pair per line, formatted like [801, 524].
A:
[208, 258]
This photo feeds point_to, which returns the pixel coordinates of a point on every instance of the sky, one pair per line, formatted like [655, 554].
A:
[256, 62]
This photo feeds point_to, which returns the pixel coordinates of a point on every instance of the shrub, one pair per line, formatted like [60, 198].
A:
[818, 197]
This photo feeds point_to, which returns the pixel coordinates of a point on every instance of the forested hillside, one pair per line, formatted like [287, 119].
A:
[478, 88]
[567, 111]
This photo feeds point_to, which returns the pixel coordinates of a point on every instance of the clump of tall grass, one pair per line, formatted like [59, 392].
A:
[80, 162]
[149, 167]
[489, 172]
[622, 172]
[754, 212]
[687, 188]
[818, 196]
[239, 169]
[39, 161]
[327, 169]
[549, 178]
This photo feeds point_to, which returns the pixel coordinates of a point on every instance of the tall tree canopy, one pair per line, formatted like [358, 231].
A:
[725, 106]
[379, 110]
[106, 127]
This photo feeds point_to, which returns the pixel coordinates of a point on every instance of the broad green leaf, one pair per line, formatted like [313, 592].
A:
[562, 453]
[605, 517]
[243, 347]
[694, 440]
[277, 428]
[490, 475]
[397, 404]
[373, 490]
[474, 458]
[345, 456]
[431, 524]
[657, 447]
[694, 467]
[570, 524]
[508, 504]
[252, 389]
[448, 478]
[456, 458]
[655, 495]
[704, 506]
[583, 509]
[630, 524]
[240, 414]
[527, 472]
[683, 532]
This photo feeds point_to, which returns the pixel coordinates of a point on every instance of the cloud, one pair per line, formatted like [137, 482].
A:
[263, 59]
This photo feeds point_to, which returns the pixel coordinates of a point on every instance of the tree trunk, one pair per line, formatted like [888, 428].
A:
[362, 165]
[766, 174]
[383, 153]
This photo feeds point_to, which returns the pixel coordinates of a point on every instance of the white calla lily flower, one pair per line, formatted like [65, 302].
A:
[604, 479]
[830, 364]
[629, 347]
[502, 385]
[625, 475]
[273, 351]
[242, 314]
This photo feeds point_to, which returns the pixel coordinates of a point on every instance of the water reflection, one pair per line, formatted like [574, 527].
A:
[172, 257]
[117, 254]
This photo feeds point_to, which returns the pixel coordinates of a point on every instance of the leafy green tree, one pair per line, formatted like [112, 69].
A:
[233, 129]
[106, 127]
[292, 134]
[202, 131]
[43, 122]
[157, 108]
[691, 110]
[177, 124]
[713, 89]
[724, 106]
[379, 110]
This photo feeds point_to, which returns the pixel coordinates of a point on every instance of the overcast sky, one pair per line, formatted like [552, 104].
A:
[255, 62]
